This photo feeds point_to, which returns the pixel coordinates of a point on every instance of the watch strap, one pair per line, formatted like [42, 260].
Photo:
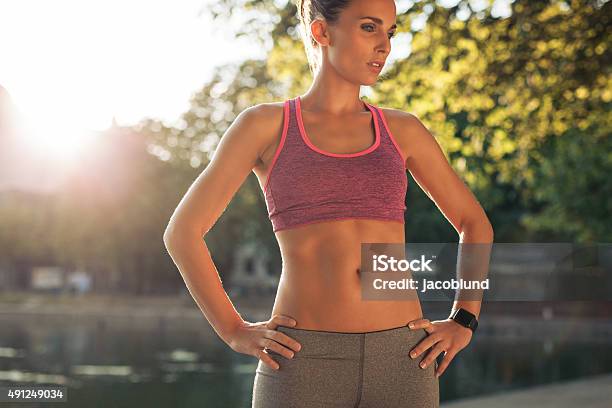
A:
[465, 318]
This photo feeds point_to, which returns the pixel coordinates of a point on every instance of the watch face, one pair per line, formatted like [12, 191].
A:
[465, 318]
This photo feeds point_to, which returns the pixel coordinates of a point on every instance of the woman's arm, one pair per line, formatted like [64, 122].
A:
[431, 170]
[206, 199]
[428, 165]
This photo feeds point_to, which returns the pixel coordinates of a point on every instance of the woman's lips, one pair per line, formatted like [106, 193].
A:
[374, 68]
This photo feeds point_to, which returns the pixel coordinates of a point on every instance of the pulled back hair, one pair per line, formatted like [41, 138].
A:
[309, 10]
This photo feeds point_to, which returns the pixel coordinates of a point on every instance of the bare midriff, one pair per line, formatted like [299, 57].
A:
[320, 284]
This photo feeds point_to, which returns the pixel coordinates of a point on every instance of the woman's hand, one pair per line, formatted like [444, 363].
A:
[446, 336]
[253, 338]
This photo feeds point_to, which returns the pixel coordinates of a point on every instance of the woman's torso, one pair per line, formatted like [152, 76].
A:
[320, 284]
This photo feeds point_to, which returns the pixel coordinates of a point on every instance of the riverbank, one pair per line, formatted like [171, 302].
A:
[22, 304]
[90, 302]
[592, 392]
[505, 321]
[177, 317]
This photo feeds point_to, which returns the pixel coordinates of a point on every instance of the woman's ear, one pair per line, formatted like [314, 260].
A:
[319, 31]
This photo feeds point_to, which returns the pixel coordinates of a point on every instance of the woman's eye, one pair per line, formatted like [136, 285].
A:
[367, 25]
[391, 35]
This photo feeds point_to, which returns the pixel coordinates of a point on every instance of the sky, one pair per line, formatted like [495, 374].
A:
[71, 66]
[86, 61]
[68, 67]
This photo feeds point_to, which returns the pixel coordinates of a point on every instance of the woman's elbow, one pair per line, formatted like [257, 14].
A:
[175, 232]
[479, 227]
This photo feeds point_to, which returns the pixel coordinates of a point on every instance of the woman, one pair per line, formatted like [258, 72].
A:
[333, 172]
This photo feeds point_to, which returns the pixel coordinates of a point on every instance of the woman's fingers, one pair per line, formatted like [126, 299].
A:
[276, 347]
[448, 356]
[423, 345]
[283, 339]
[431, 356]
[266, 359]
[282, 320]
[276, 341]
[420, 324]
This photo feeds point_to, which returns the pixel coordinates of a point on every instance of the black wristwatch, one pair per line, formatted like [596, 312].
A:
[465, 318]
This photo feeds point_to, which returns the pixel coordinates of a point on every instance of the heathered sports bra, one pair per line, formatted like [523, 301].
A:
[307, 185]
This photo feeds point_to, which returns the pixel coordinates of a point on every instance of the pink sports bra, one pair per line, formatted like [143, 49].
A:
[307, 185]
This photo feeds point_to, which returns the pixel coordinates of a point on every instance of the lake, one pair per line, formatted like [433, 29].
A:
[180, 362]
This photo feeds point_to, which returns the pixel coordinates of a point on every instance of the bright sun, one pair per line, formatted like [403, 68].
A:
[55, 129]
[56, 137]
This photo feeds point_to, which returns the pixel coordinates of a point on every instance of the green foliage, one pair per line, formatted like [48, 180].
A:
[497, 93]
[520, 105]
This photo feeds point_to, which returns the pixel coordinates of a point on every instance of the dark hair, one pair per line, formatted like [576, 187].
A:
[309, 10]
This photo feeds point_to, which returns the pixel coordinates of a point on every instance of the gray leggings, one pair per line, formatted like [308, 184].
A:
[356, 370]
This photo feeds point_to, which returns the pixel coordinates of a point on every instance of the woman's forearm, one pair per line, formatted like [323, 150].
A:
[476, 239]
[192, 258]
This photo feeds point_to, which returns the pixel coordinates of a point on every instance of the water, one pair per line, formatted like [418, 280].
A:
[128, 363]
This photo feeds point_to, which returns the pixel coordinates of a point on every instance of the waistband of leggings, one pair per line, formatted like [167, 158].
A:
[403, 328]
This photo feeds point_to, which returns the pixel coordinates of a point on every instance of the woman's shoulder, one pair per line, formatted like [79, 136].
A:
[398, 115]
[398, 118]
[402, 126]
[267, 112]
[268, 124]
